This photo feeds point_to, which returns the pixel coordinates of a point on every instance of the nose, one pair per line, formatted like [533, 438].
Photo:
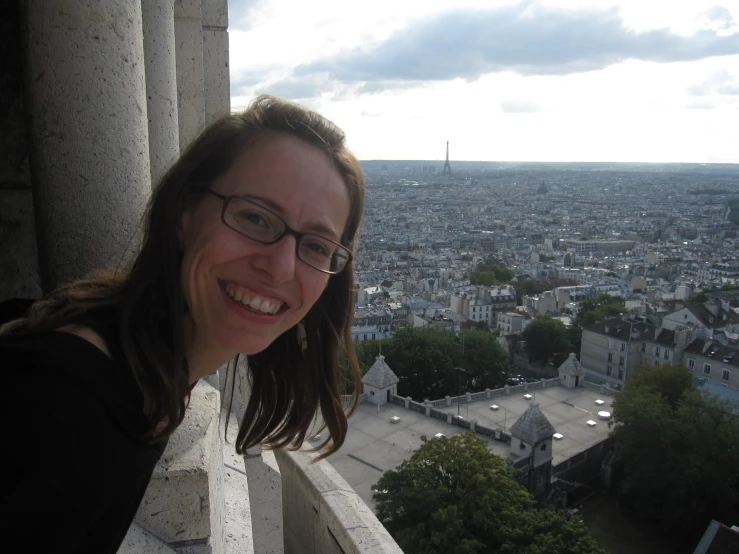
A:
[278, 259]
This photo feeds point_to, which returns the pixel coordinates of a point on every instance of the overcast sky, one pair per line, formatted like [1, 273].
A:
[538, 80]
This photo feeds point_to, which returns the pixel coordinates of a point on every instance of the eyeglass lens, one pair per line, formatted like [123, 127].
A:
[262, 225]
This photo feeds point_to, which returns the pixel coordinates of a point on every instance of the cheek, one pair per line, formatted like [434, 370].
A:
[313, 287]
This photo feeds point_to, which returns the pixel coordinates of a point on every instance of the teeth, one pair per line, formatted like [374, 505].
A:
[256, 303]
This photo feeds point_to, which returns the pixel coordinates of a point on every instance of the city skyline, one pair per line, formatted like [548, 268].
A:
[546, 80]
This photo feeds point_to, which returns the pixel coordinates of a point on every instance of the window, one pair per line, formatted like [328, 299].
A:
[623, 346]
[656, 362]
[610, 344]
[620, 374]
[657, 351]
[644, 347]
[522, 446]
[608, 370]
[610, 356]
[621, 361]
[543, 447]
[667, 355]
[691, 364]
[365, 336]
[725, 374]
[707, 369]
[373, 336]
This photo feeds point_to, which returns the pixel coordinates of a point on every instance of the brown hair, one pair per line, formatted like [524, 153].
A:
[288, 387]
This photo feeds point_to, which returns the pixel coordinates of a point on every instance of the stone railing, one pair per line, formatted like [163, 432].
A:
[322, 514]
[600, 389]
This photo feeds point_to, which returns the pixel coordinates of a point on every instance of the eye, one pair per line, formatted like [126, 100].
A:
[253, 218]
[316, 247]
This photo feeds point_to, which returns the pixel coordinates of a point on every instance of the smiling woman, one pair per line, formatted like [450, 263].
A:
[247, 251]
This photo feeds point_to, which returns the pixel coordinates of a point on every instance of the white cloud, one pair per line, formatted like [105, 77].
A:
[629, 111]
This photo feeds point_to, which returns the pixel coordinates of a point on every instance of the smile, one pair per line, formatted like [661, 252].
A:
[252, 301]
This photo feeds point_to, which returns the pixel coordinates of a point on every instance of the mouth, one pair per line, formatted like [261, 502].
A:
[253, 302]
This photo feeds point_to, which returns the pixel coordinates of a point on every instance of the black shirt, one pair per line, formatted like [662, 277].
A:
[74, 462]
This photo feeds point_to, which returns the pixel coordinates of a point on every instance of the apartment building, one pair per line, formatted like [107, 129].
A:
[714, 362]
[613, 349]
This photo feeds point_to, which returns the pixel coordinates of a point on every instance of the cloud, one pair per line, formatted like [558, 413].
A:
[721, 82]
[525, 38]
[294, 88]
[513, 105]
[720, 19]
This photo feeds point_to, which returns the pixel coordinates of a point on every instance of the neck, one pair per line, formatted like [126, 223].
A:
[203, 358]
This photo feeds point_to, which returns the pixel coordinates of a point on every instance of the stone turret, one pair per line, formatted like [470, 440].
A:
[380, 382]
[571, 372]
[531, 439]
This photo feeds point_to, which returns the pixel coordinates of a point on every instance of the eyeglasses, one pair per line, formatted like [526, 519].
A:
[256, 222]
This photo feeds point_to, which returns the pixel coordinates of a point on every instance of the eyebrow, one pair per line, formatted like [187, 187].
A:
[274, 206]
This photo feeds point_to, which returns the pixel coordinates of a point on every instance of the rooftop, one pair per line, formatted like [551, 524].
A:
[374, 445]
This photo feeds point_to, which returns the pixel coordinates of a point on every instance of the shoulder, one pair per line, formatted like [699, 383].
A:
[88, 334]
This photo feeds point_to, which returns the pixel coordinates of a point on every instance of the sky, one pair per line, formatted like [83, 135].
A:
[502, 80]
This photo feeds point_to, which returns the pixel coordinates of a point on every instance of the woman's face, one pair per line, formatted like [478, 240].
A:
[242, 294]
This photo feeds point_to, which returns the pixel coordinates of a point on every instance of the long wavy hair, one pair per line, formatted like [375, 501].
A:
[288, 387]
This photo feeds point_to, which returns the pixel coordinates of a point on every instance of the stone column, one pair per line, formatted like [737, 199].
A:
[161, 85]
[215, 59]
[18, 257]
[84, 82]
[188, 29]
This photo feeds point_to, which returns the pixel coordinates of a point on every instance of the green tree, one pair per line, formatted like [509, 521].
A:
[424, 359]
[485, 278]
[678, 450]
[599, 308]
[454, 495]
[484, 359]
[544, 338]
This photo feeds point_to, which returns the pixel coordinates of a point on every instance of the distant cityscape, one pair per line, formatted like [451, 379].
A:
[651, 234]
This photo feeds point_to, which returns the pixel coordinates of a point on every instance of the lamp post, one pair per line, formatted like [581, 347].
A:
[459, 385]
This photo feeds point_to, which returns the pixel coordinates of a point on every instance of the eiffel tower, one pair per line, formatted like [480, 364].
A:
[447, 168]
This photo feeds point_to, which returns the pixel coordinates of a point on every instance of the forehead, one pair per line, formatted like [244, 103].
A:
[295, 175]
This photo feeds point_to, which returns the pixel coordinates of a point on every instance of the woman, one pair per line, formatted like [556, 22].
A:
[247, 250]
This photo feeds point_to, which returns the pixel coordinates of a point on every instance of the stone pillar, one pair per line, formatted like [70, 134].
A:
[507, 389]
[448, 400]
[428, 410]
[487, 393]
[407, 402]
[215, 59]
[449, 418]
[602, 389]
[86, 93]
[188, 28]
[161, 85]
[468, 397]
[19, 276]
[473, 424]
[525, 386]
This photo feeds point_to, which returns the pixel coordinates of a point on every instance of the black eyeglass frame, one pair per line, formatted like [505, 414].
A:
[285, 232]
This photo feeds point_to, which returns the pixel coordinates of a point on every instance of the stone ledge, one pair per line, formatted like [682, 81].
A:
[323, 514]
[184, 501]
[138, 540]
